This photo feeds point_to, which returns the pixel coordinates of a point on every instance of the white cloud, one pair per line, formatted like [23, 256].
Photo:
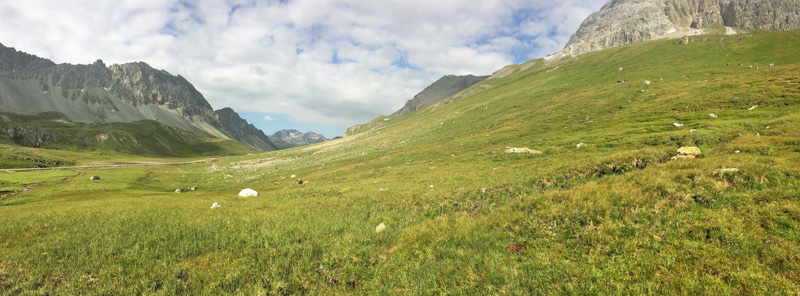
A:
[337, 62]
[267, 118]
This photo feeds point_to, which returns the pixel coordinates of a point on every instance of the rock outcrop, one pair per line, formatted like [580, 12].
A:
[128, 92]
[442, 88]
[285, 139]
[621, 22]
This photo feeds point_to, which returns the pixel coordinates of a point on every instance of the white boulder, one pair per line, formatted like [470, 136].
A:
[215, 205]
[247, 192]
[380, 227]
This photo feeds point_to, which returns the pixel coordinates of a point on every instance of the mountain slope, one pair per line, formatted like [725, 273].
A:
[98, 93]
[236, 127]
[613, 216]
[440, 89]
[53, 130]
[622, 22]
[285, 139]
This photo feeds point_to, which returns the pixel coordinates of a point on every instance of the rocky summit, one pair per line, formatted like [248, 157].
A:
[622, 22]
[285, 139]
[128, 92]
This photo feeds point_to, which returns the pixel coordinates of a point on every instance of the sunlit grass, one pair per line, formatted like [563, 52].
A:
[614, 216]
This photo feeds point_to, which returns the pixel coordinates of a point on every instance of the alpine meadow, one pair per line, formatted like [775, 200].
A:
[560, 177]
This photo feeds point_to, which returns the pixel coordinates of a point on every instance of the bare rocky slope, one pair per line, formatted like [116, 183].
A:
[98, 93]
[285, 139]
[621, 22]
[440, 89]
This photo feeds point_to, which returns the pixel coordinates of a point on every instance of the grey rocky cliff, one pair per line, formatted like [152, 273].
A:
[440, 89]
[621, 22]
[285, 139]
[118, 93]
[236, 127]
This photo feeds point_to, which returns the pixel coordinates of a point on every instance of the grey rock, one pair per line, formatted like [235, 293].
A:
[621, 22]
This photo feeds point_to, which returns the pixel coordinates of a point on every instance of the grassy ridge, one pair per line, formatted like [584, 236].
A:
[53, 130]
[614, 216]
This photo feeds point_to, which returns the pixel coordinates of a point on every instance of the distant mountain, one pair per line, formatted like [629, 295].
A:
[129, 92]
[442, 88]
[285, 139]
[621, 22]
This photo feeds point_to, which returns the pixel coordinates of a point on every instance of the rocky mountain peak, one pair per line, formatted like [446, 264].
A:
[621, 22]
[116, 93]
[141, 84]
[285, 139]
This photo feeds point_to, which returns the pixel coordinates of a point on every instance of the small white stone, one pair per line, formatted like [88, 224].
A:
[380, 227]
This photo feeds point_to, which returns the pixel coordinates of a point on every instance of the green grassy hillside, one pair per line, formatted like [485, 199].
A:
[53, 130]
[616, 215]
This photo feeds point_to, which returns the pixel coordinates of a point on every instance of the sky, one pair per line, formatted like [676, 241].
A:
[310, 65]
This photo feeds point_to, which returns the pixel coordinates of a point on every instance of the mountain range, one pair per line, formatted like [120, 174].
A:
[98, 93]
[284, 139]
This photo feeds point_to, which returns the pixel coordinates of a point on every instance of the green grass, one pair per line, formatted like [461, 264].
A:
[53, 130]
[615, 216]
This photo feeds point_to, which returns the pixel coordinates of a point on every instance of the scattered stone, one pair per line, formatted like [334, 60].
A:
[726, 170]
[383, 189]
[737, 151]
[687, 152]
[692, 130]
[178, 190]
[380, 227]
[94, 178]
[580, 144]
[677, 124]
[522, 150]
[247, 192]
[292, 176]
[620, 69]
[518, 247]
[298, 182]
[215, 205]
[713, 115]
[684, 40]
[647, 82]
[192, 188]
[431, 186]
[751, 108]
